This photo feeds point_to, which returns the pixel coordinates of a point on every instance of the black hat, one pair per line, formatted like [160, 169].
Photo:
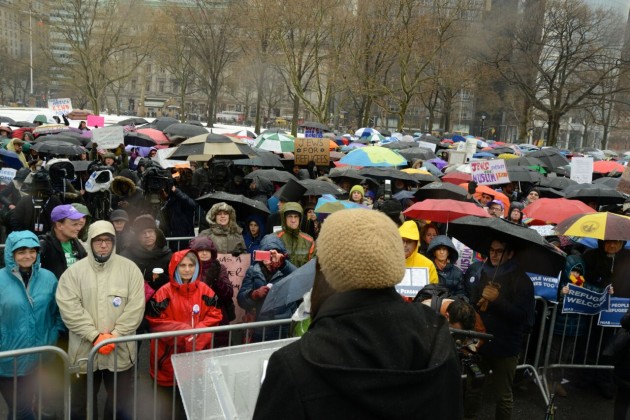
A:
[291, 191]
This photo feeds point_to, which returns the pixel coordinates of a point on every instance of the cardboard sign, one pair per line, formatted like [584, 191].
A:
[582, 170]
[456, 157]
[95, 121]
[108, 137]
[489, 172]
[312, 149]
[586, 302]
[427, 145]
[7, 175]
[61, 106]
[470, 148]
[236, 268]
[624, 182]
[414, 280]
[545, 286]
[617, 309]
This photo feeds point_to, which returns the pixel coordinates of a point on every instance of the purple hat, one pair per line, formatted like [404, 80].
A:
[65, 211]
[497, 202]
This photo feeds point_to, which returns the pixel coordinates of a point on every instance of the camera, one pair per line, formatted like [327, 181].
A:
[469, 360]
[156, 180]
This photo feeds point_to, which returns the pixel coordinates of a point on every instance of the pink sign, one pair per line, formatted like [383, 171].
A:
[236, 268]
[95, 121]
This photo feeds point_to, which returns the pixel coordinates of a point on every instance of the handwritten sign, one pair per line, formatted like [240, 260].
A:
[487, 172]
[108, 137]
[624, 181]
[7, 175]
[545, 286]
[95, 121]
[313, 133]
[470, 148]
[236, 268]
[586, 302]
[582, 170]
[616, 310]
[427, 145]
[414, 280]
[312, 149]
[456, 157]
[61, 106]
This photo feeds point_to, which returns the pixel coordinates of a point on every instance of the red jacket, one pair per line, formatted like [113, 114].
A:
[173, 308]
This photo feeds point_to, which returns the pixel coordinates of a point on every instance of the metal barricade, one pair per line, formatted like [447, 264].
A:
[179, 240]
[40, 352]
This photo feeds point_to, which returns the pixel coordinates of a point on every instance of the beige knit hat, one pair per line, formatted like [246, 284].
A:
[360, 249]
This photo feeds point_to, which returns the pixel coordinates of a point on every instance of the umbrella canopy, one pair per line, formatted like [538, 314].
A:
[558, 183]
[429, 139]
[365, 132]
[272, 175]
[418, 153]
[183, 130]
[328, 204]
[81, 165]
[206, 146]
[10, 159]
[551, 158]
[399, 145]
[603, 226]
[373, 156]
[386, 173]
[532, 252]
[444, 211]
[7, 120]
[245, 133]
[484, 189]
[291, 288]
[404, 195]
[162, 123]
[481, 155]
[263, 159]
[135, 138]
[346, 172]
[157, 136]
[524, 161]
[441, 190]
[59, 148]
[50, 129]
[608, 181]
[548, 192]
[607, 166]
[242, 205]
[523, 174]
[315, 187]
[21, 124]
[457, 177]
[501, 149]
[439, 163]
[61, 137]
[133, 121]
[275, 142]
[599, 193]
[546, 211]
[421, 175]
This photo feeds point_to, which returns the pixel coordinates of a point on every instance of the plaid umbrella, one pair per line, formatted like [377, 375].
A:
[206, 146]
[275, 142]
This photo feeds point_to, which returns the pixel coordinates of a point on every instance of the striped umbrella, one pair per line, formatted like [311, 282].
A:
[206, 146]
[275, 142]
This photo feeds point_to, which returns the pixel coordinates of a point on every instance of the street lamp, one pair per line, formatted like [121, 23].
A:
[483, 121]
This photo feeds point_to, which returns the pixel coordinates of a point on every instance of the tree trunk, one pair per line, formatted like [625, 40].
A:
[553, 130]
[523, 120]
[296, 114]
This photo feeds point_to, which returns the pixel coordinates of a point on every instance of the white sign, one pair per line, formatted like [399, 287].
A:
[7, 175]
[489, 172]
[427, 145]
[108, 137]
[471, 148]
[456, 158]
[61, 106]
[162, 158]
[582, 169]
[414, 280]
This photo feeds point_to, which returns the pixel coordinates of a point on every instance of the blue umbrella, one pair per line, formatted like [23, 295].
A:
[456, 138]
[328, 204]
[433, 169]
[365, 132]
[291, 288]
[10, 159]
[483, 155]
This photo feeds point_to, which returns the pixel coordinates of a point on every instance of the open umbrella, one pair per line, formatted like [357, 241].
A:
[327, 204]
[532, 252]
[607, 181]
[420, 175]
[607, 166]
[418, 153]
[157, 136]
[135, 138]
[484, 189]
[603, 226]
[133, 121]
[291, 288]
[206, 146]
[373, 156]
[441, 190]
[524, 161]
[551, 158]
[365, 132]
[523, 174]
[184, 130]
[242, 205]
[162, 123]
[399, 145]
[58, 148]
[548, 192]
[272, 175]
[346, 172]
[558, 183]
[315, 187]
[50, 129]
[444, 211]
[10, 159]
[61, 137]
[275, 142]
[554, 210]
[245, 134]
[7, 120]
[599, 193]
[263, 159]
[457, 177]
[429, 139]
[386, 173]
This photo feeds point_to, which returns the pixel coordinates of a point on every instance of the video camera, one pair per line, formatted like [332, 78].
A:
[156, 179]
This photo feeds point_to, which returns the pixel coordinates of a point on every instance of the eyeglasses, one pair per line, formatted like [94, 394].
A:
[497, 251]
[104, 241]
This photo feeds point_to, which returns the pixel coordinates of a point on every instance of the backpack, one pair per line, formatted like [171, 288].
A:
[436, 292]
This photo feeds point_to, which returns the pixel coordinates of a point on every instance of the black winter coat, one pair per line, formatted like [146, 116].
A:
[367, 355]
[52, 256]
[158, 257]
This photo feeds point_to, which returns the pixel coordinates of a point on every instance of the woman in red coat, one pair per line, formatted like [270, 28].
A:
[185, 302]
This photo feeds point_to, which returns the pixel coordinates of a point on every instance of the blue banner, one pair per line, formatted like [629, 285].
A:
[616, 310]
[545, 286]
[586, 302]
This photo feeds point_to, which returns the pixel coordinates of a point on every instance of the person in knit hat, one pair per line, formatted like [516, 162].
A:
[367, 351]
[120, 220]
[356, 194]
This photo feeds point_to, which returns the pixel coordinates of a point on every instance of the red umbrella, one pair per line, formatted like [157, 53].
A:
[156, 135]
[443, 210]
[554, 210]
[457, 177]
[607, 166]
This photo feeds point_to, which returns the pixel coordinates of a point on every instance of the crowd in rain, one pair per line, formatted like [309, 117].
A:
[105, 243]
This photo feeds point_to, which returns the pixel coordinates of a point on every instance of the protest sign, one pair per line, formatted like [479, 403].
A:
[7, 175]
[586, 302]
[545, 286]
[487, 172]
[95, 121]
[61, 106]
[313, 133]
[624, 182]
[470, 148]
[456, 157]
[108, 137]
[616, 310]
[312, 149]
[236, 268]
[427, 145]
[414, 280]
[582, 170]
[466, 255]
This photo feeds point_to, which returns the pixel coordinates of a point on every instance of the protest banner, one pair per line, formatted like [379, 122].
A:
[427, 145]
[108, 137]
[7, 175]
[414, 280]
[95, 121]
[489, 172]
[582, 169]
[466, 255]
[236, 268]
[584, 301]
[61, 106]
[616, 310]
[545, 286]
[624, 182]
[312, 149]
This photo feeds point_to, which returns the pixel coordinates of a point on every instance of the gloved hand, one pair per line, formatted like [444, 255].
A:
[260, 293]
[472, 187]
[107, 348]
[490, 292]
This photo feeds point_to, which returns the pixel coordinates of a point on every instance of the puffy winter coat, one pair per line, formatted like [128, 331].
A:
[178, 306]
[300, 246]
[228, 239]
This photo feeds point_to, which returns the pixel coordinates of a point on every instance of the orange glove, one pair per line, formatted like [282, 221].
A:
[107, 348]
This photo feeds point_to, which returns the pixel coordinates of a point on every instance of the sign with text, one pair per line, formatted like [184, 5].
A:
[7, 175]
[582, 169]
[616, 310]
[95, 121]
[108, 137]
[313, 133]
[545, 286]
[414, 280]
[470, 148]
[427, 145]
[456, 157]
[586, 302]
[236, 268]
[312, 149]
[624, 182]
[61, 106]
[488, 172]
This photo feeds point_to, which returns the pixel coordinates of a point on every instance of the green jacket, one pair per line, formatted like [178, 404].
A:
[301, 246]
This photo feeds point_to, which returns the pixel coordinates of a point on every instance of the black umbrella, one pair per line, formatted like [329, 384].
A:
[133, 138]
[61, 137]
[346, 172]
[272, 175]
[81, 165]
[184, 130]
[558, 182]
[547, 192]
[162, 123]
[500, 150]
[608, 181]
[8, 120]
[551, 158]
[429, 139]
[524, 161]
[523, 174]
[242, 205]
[599, 193]
[291, 288]
[263, 160]
[133, 121]
[23, 124]
[385, 133]
[399, 145]
[209, 145]
[533, 253]
[312, 124]
[59, 148]
[376, 172]
[316, 187]
[441, 190]
[417, 153]
[194, 122]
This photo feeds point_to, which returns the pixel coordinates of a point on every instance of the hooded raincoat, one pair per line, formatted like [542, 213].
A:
[450, 275]
[228, 239]
[409, 230]
[300, 246]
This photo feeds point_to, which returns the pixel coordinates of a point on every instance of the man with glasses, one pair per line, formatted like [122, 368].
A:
[504, 297]
[495, 209]
[102, 297]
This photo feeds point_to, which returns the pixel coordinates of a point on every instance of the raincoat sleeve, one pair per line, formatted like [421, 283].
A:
[129, 321]
[433, 275]
[252, 281]
[212, 317]
[71, 308]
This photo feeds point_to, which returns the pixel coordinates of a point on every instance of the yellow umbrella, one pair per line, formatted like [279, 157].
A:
[416, 171]
[507, 156]
[604, 226]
